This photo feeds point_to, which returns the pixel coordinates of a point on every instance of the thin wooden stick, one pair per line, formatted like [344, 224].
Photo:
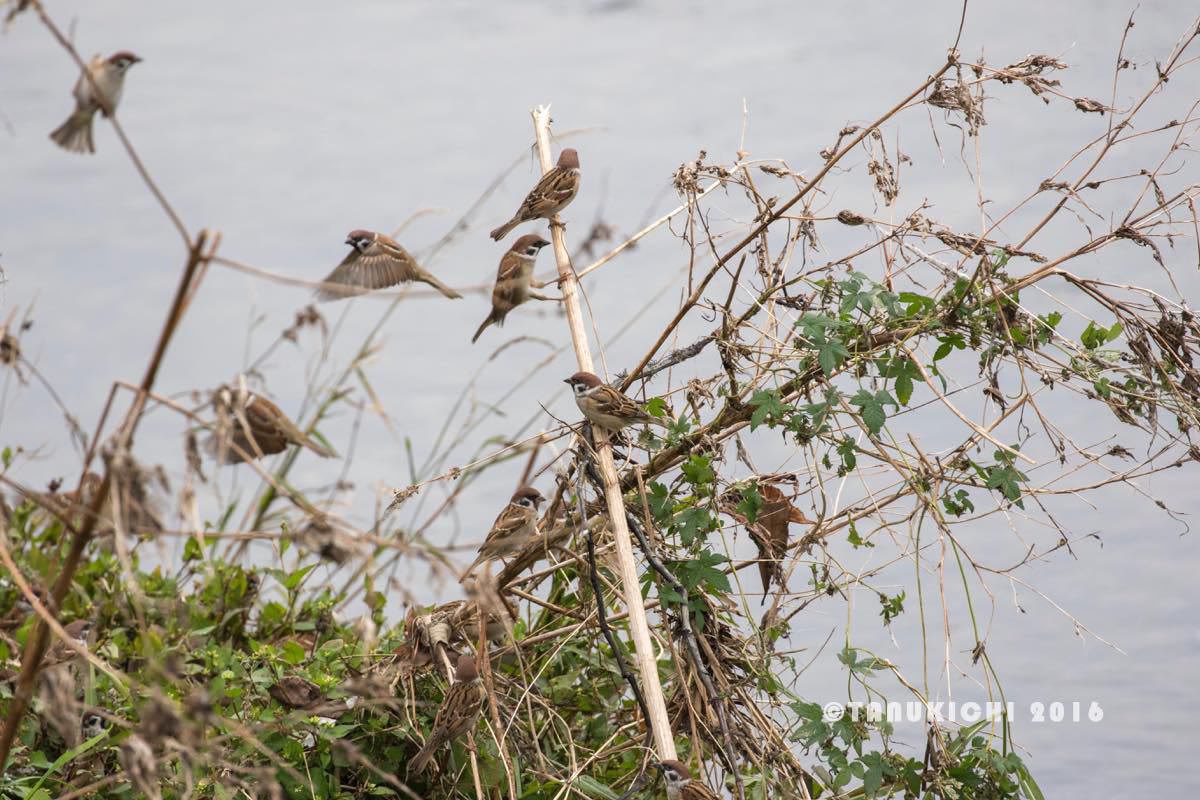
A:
[639, 630]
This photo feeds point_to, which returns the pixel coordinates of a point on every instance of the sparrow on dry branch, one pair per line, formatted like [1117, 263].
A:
[458, 713]
[681, 785]
[60, 652]
[513, 280]
[376, 262]
[606, 407]
[256, 426]
[514, 528]
[108, 74]
[553, 193]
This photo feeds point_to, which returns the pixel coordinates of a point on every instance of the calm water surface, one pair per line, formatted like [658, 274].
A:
[285, 125]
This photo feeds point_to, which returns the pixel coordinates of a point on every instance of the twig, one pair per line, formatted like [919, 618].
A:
[36, 645]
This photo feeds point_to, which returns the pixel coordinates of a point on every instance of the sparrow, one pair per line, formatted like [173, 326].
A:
[553, 193]
[296, 693]
[514, 528]
[75, 134]
[606, 407]
[60, 653]
[376, 262]
[256, 426]
[459, 711]
[681, 786]
[512, 280]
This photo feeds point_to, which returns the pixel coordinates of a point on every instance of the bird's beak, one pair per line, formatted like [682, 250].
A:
[566, 380]
[350, 242]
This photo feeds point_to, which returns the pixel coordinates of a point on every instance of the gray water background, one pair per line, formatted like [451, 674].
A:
[284, 125]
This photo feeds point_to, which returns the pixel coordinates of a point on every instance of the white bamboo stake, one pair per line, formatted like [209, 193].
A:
[638, 628]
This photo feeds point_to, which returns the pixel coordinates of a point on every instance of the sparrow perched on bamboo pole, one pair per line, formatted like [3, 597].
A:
[375, 262]
[256, 426]
[514, 528]
[458, 713]
[553, 193]
[108, 74]
[606, 407]
[513, 279]
[681, 785]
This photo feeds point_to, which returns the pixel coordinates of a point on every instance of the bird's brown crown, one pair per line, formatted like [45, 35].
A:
[568, 159]
[677, 767]
[466, 669]
[585, 378]
[527, 241]
[527, 493]
[123, 56]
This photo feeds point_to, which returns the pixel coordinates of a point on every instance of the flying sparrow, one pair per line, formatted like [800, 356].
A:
[606, 407]
[681, 786]
[256, 426]
[512, 280]
[459, 711]
[553, 193]
[75, 134]
[513, 529]
[60, 653]
[376, 262]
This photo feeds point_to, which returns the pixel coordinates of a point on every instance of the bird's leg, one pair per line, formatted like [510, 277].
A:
[539, 296]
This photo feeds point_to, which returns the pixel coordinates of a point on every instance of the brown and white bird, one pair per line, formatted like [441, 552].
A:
[459, 711]
[79, 632]
[515, 528]
[256, 426]
[553, 193]
[606, 407]
[108, 75]
[681, 785]
[376, 262]
[513, 279]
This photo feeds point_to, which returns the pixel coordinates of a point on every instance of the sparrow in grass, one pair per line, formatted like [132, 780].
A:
[513, 279]
[515, 528]
[605, 407]
[375, 262]
[255, 426]
[108, 75]
[681, 785]
[458, 713]
[553, 193]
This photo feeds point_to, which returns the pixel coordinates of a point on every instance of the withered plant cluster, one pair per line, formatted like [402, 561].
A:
[797, 431]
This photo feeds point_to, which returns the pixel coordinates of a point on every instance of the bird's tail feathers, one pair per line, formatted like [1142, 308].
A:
[504, 229]
[75, 135]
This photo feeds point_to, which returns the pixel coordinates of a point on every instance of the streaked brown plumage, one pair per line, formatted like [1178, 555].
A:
[256, 426]
[60, 653]
[458, 713]
[605, 407]
[553, 193]
[681, 785]
[512, 280]
[514, 528]
[295, 692]
[75, 135]
[375, 262]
